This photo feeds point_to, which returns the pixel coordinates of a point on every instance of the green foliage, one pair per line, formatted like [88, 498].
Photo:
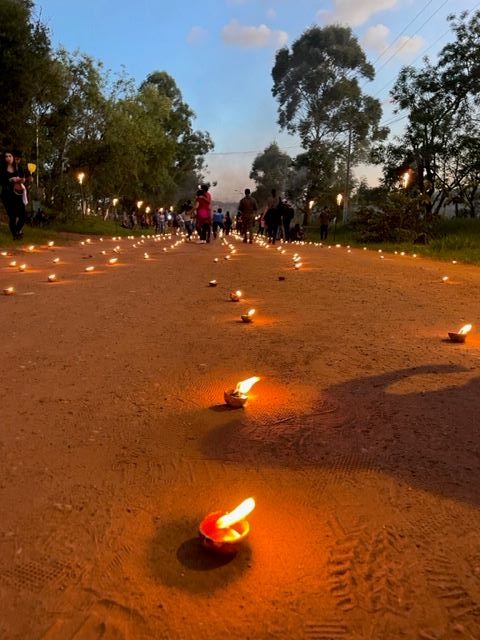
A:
[317, 86]
[400, 219]
[271, 169]
[441, 143]
[24, 60]
[129, 143]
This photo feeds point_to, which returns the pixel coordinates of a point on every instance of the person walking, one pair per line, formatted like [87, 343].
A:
[14, 193]
[218, 221]
[324, 222]
[272, 216]
[247, 208]
[203, 206]
[228, 223]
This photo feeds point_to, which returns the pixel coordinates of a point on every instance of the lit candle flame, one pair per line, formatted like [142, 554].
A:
[239, 513]
[465, 329]
[89, 268]
[51, 243]
[56, 260]
[244, 386]
[52, 277]
[251, 313]
[113, 261]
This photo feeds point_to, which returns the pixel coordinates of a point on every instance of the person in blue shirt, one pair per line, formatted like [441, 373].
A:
[218, 219]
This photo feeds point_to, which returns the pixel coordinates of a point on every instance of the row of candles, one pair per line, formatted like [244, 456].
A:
[222, 531]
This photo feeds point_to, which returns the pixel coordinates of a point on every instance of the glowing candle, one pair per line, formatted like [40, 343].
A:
[212, 283]
[222, 532]
[113, 261]
[248, 317]
[235, 295]
[22, 267]
[13, 263]
[238, 397]
[9, 291]
[461, 334]
[52, 278]
[56, 260]
[89, 269]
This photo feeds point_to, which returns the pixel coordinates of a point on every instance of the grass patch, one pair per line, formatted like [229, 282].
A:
[455, 239]
[62, 231]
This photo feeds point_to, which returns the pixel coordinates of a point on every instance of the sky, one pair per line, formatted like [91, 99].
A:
[221, 53]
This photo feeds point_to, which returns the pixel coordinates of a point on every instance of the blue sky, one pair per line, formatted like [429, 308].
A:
[221, 53]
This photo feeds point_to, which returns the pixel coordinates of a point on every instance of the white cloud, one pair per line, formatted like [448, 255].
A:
[250, 37]
[355, 13]
[376, 38]
[197, 35]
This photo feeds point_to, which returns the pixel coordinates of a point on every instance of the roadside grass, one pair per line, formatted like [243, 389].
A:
[64, 231]
[455, 239]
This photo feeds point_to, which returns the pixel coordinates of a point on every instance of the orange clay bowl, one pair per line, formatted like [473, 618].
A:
[211, 535]
[234, 400]
[457, 337]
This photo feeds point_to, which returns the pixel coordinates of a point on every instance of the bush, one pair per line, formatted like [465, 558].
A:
[401, 219]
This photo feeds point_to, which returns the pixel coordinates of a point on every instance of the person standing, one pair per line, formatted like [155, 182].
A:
[272, 216]
[217, 221]
[203, 206]
[324, 222]
[14, 193]
[288, 214]
[228, 223]
[247, 208]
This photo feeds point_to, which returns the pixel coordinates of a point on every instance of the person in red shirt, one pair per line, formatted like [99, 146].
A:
[203, 206]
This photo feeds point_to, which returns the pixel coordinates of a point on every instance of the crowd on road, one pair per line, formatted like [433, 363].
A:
[274, 220]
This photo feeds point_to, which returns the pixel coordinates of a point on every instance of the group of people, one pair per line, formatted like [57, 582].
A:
[13, 180]
[274, 220]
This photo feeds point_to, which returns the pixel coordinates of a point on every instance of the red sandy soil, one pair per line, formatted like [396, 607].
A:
[360, 445]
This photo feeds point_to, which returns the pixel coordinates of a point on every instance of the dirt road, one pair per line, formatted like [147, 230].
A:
[360, 445]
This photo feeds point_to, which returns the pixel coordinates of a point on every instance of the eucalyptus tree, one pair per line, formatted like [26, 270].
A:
[320, 99]
[271, 169]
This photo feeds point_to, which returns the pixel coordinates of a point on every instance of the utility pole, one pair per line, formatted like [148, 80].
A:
[346, 197]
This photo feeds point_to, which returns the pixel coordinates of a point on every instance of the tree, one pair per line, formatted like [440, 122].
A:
[316, 84]
[271, 169]
[441, 141]
[24, 64]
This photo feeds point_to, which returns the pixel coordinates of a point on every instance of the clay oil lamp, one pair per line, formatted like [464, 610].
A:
[52, 278]
[9, 291]
[22, 267]
[238, 397]
[215, 259]
[56, 260]
[31, 247]
[445, 279]
[227, 257]
[297, 265]
[113, 261]
[281, 278]
[235, 296]
[13, 263]
[4, 253]
[248, 317]
[212, 283]
[222, 532]
[461, 335]
[89, 269]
